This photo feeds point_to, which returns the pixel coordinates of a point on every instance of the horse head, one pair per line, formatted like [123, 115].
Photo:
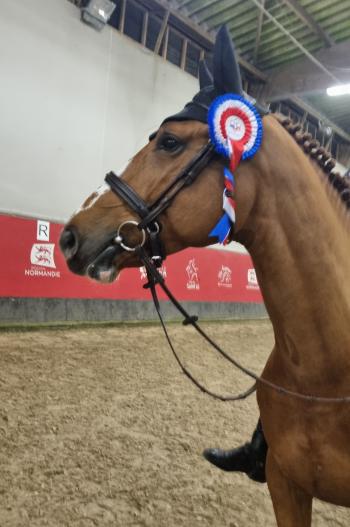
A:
[192, 213]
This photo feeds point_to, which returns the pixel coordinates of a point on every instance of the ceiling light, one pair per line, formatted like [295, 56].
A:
[96, 13]
[340, 89]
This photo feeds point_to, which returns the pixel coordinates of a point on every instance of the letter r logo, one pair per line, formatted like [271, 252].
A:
[43, 231]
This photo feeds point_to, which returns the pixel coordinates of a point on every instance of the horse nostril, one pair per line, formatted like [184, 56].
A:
[69, 242]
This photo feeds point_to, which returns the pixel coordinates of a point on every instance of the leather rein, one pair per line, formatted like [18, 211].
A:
[153, 256]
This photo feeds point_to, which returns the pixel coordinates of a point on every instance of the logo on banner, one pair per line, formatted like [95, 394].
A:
[225, 277]
[192, 274]
[252, 279]
[161, 270]
[42, 254]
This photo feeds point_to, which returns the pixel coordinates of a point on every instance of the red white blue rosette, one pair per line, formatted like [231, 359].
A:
[235, 127]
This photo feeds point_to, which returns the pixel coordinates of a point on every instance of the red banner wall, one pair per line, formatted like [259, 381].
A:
[31, 265]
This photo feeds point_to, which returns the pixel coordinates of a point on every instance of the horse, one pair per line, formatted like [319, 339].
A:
[291, 214]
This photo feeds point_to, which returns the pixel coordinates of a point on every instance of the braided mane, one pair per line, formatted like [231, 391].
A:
[320, 155]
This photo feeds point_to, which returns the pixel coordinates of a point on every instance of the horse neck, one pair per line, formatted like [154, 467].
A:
[301, 253]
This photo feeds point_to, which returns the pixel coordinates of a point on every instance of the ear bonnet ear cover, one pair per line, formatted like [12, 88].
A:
[227, 77]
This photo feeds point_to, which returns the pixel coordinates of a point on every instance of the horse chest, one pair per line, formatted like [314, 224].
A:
[311, 444]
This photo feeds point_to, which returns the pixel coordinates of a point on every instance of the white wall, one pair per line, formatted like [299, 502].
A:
[74, 103]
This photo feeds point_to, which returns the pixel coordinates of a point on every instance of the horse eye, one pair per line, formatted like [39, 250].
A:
[169, 143]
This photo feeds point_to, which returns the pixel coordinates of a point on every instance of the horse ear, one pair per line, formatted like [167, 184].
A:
[227, 77]
[205, 77]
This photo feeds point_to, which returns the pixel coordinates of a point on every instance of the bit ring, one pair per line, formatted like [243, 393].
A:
[119, 238]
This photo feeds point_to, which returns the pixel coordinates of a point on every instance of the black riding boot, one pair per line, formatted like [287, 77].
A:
[249, 458]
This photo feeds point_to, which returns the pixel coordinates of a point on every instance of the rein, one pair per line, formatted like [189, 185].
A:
[155, 278]
[150, 228]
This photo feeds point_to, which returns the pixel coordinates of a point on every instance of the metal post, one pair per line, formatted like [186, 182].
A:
[328, 145]
[303, 119]
[144, 28]
[183, 53]
[162, 32]
[165, 43]
[122, 17]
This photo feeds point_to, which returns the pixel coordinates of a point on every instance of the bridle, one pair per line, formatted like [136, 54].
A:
[152, 258]
[150, 226]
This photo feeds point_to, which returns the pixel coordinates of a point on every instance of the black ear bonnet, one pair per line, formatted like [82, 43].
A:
[197, 109]
[227, 79]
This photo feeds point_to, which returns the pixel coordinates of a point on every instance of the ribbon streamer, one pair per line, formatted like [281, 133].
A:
[223, 228]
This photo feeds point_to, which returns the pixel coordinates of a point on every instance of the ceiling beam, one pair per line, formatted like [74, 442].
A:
[319, 116]
[304, 77]
[258, 33]
[309, 21]
[208, 37]
[296, 42]
[202, 7]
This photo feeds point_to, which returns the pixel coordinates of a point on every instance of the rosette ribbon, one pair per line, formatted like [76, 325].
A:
[235, 129]
[223, 228]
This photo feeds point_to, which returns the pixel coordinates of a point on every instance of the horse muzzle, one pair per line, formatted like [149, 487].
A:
[104, 268]
[83, 258]
[69, 242]
[100, 262]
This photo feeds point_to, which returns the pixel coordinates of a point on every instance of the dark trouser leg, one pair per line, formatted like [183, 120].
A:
[249, 458]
